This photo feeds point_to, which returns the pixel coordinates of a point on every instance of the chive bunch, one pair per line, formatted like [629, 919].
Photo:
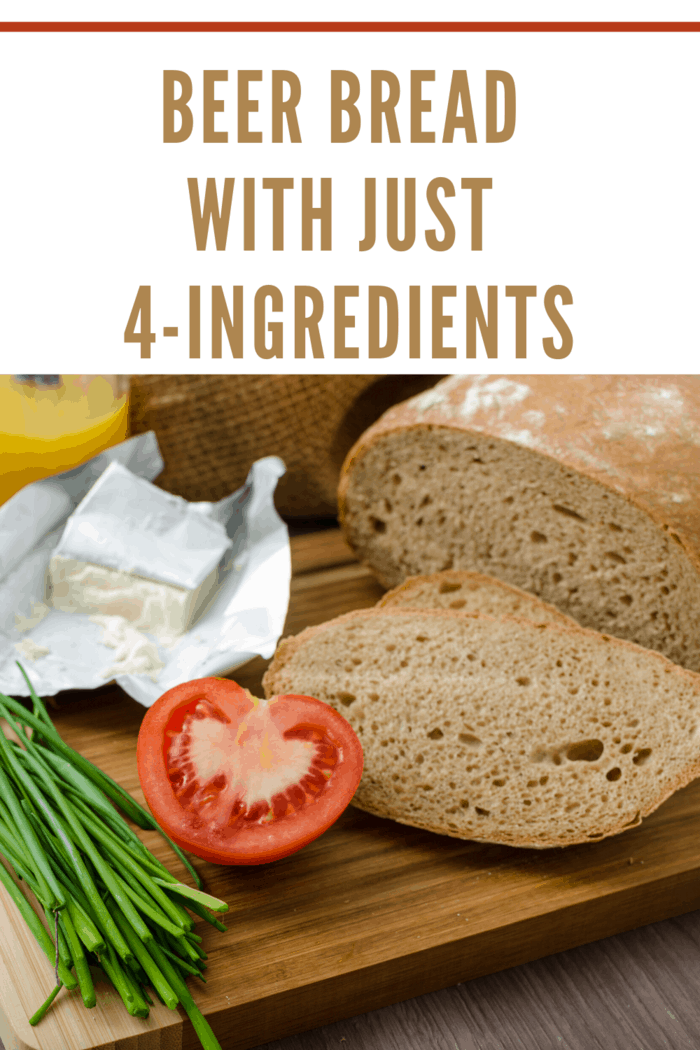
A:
[108, 900]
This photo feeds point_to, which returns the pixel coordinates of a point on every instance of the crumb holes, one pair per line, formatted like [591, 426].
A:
[426, 501]
[559, 663]
[447, 588]
[557, 577]
[390, 648]
[384, 743]
[464, 803]
[396, 479]
[527, 801]
[625, 749]
[636, 819]
[498, 783]
[585, 751]
[378, 525]
[483, 812]
[373, 696]
[422, 467]
[420, 760]
[573, 558]
[633, 722]
[616, 558]
[346, 699]
[641, 756]
[469, 739]
[613, 774]
[436, 734]
[532, 783]
[508, 499]
[568, 512]
[421, 638]
[556, 759]
[572, 806]
[523, 681]
[388, 506]
[458, 604]
[543, 780]
[615, 528]
[596, 835]
[538, 537]
[626, 599]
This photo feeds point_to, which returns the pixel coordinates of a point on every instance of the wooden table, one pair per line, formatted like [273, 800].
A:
[349, 912]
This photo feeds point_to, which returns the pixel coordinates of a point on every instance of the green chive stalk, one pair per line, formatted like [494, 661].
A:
[108, 901]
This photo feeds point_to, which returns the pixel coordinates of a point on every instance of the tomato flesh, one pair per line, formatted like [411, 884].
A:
[238, 780]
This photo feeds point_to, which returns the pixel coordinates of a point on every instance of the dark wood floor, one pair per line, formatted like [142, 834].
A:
[637, 991]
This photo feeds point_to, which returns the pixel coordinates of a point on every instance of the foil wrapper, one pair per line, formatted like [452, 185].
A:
[106, 513]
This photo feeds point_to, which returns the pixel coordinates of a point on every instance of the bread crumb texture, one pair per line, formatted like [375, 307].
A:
[423, 499]
[471, 592]
[499, 730]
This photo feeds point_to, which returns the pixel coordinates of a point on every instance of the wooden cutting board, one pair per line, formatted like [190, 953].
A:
[370, 913]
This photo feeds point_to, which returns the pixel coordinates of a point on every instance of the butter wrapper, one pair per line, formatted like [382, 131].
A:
[104, 576]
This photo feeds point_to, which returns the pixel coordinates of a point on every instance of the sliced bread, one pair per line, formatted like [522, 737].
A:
[500, 730]
[471, 592]
[583, 490]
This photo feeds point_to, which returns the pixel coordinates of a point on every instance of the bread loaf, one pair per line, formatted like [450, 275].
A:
[470, 592]
[583, 490]
[500, 730]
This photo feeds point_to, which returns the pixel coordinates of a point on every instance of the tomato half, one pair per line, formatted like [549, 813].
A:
[237, 780]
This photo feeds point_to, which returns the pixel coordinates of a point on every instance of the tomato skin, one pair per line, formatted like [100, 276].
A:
[235, 717]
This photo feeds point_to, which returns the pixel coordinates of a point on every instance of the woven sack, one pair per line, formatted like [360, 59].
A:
[211, 428]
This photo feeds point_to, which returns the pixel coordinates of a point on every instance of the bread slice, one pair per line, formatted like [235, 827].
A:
[471, 592]
[582, 490]
[500, 730]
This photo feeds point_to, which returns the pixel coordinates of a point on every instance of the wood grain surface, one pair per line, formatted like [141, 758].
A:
[374, 913]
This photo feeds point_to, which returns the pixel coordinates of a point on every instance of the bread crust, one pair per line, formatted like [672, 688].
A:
[638, 436]
[478, 578]
[288, 647]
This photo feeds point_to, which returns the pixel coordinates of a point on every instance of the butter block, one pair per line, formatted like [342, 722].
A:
[131, 550]
[148, 605]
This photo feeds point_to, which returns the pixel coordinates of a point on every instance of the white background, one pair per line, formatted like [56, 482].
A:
[596, 191]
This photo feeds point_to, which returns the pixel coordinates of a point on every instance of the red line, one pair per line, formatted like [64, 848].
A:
[350, 27]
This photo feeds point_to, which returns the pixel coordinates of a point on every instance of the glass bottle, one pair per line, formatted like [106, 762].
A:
[50, 423]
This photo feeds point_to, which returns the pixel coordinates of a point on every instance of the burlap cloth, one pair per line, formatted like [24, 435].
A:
[211, 428]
